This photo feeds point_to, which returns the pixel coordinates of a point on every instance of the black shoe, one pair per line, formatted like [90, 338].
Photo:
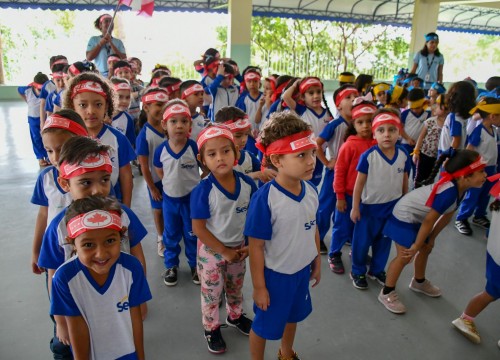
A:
[336, 264]
[216, 344]
[243, 324]
[359, 281]
[322, 248]
[380, 277]
[170, 277]
[481, 222]
[194, 276]
[463, 227]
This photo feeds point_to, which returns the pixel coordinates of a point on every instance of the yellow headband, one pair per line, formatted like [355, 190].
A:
[417, 103]
[346, 78]
[381, 87]
[487, 108]
[396, 94]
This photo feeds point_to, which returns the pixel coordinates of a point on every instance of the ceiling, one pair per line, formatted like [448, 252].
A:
[480, 16]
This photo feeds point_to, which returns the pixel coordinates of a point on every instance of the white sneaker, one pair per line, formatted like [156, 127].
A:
[160, 248]
[468, 329]
[426, 288]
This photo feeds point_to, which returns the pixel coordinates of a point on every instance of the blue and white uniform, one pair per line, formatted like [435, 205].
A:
[59, 98]
[333, 134]
[124, 123]
[148, 140]
[51, 100]
[49, 193]
[47, 88]
[383, 188]
[207, 98]
[180, 176]
[493, 257]
[287, 224]
[105, 309]
[33, 101]
[413, 125]
[410, 211]
[56, 250]
[247, 163]
[250, 106]
[121, 154]
[198, 124]
[101, 60]
[454, 125]
[221, 96]
[476, 199]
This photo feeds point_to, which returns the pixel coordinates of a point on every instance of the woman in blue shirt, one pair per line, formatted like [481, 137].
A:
[428, 62]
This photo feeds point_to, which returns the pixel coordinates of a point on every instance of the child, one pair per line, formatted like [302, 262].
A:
[312, 112]
[484, 140]
[58, 128]
[418, 218]
[172, 86]
[249, 100]
[208, 67]
[283, 237]
[31, 94]
[265, 101]
[346, 78]
[192, 93]
[92, 97]
[158, 73]
[175, 162]
[363, 83]
[426, 149]
[218, 210]
[137, 88]
[397, 98]
[148, 140]
[282, 83]
[239, 125]
[465, 323]
[49, 85]
[59, 75]
[222, 89]
[380, 93]
[382, 179]
[333, 136]
[85, 290]
[122, 70]
[358, 139]
[122, 120]
[435, 90]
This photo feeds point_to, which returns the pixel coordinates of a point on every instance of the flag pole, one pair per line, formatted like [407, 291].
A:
[113, 19]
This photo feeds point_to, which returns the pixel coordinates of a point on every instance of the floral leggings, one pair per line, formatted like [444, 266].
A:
[216, 274]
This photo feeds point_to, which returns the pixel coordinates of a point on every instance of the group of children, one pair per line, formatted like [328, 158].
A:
[235, 172]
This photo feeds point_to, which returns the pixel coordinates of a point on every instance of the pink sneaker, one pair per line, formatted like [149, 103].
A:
[391, 302]
[425, 288]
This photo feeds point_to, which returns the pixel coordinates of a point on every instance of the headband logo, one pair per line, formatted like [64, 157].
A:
[384, 117]
[122, 86]
[367, 110]
[92, 86]
[300, 143]
[213, 132]
[53, 121]
[96, 219]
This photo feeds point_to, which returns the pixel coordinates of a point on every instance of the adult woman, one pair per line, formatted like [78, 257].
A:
[428, 62]
[100, 47]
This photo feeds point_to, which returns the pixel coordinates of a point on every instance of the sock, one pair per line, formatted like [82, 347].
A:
[159, 238]
[420, 281]
[467, 317]
[387, 289]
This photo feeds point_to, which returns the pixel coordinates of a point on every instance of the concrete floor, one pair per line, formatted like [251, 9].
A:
[346, 323]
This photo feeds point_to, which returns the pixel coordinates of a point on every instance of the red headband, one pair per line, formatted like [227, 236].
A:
[113, 58]
[58, 75]
[74, 70]
[155, 96]
[176, 109]
[105, 16]
[122, 67]
[56, 121]
[289, 144]
[166, 70]
[88, 86]
[343, 94]
[93, 220]
[272, 81]
[213, 132]
[386, 118]
[238, 125]
[252, 76]
[191, 90]
[60, 61]
[308, 82]
[93, 162]
[279, 90]
[122, 86]
[36, 85]
[477, 165]
[173, 88]
[360, 110]
[495, 190]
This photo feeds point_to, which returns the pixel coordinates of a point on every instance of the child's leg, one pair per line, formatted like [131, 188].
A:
[327, 200]
[158, 218]
[420, 262]
[257, 346]
[478, 303]
[396, 267]
[287, 340]
[381, 247]
[484, 194]
[233, 283]
[187, 232]
[343, 228]
[172, 234]
[361, 241]
[468, 204]
[424, 168]
[36, 138]
[211, 272]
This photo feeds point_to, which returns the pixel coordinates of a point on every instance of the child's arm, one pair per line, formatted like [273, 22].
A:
[260, 293]
[418, 145]
[40, 226]
[407, 137]
[316, 264]
[137, 330]
[148, 177]
[126, 184]
[456, 141]
[439, 226]
[288, 95]
[405, 183]
[339, 180]
[356, 196]
[62, 331]
[258, 114]
[43, 114]
[320, 153]
[80, 337]
[207, 238]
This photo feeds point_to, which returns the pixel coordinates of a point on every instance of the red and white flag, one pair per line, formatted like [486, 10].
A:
[144, 7]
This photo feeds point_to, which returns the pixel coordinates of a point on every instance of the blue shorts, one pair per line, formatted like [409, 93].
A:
[492, 277]
[400, 232]
[156, 204]
[290, 303]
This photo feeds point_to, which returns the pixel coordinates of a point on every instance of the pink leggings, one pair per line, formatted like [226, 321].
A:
[215, 275]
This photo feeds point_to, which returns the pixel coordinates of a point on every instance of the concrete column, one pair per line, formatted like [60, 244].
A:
[425, 19]
[240, 31]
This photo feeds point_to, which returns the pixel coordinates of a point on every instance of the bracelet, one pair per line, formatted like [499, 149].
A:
[415, 152]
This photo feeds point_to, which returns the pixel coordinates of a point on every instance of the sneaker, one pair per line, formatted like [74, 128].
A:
[481, 222]
[170, 277]
[294, 357]
[380, 277]
[359, 281]
[160, 248]
[463, 227]
[468, 329]
[336, 264]
[216, 344]
[243, 324]
[322, 248]
[391, 302]
[425, 288]
[194, 276]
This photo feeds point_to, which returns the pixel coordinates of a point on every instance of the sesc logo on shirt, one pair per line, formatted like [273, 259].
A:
[123, 304]
[309, 225]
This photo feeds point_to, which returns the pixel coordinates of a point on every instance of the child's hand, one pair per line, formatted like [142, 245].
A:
[331, 164]
[34, 265]
[230, 255]
[341, 205]
[355, 215]
[243, 253]
[262, 101]
[155, 194]
[62, 333]
[261, 298]
[316, 271]
[410, 253]
[267, 175]
[220, 69]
